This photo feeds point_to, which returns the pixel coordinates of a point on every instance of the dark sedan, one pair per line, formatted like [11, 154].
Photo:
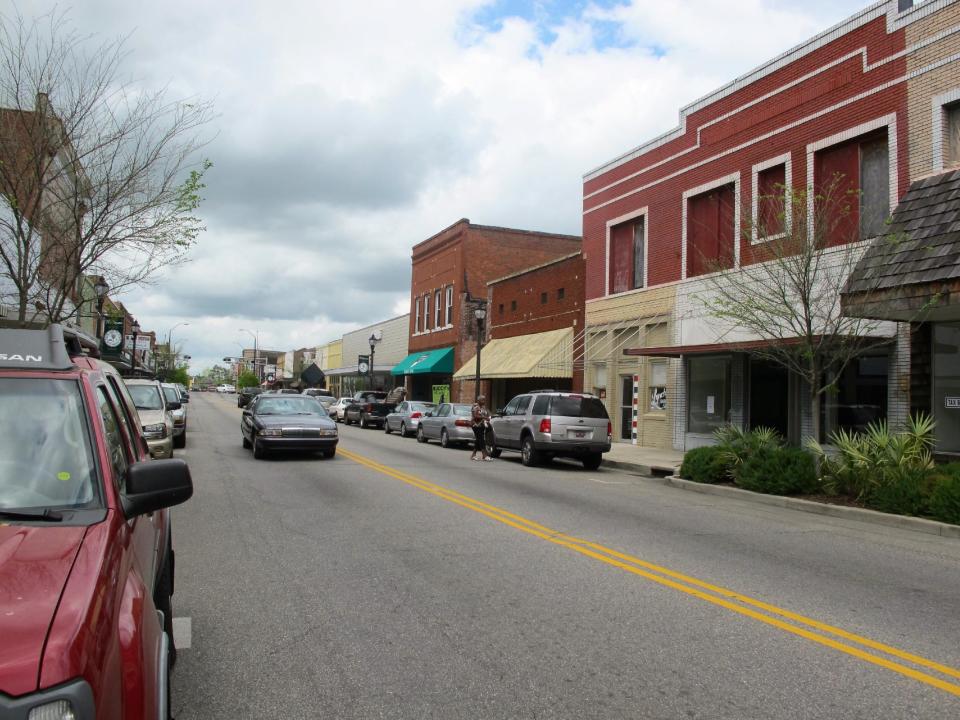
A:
[246, 395]
[287, 422]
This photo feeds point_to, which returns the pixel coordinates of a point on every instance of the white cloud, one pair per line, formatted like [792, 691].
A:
[350, 131]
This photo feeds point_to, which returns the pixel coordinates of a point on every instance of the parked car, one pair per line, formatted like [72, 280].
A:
[450, 423]
[542, 425]
[246, 395]
[154, 410]
[87, 561]
[226, 389]
[276, 421]
[325, 397]
[406, 418]
[368, 409]
[179, 414]
[337, 408]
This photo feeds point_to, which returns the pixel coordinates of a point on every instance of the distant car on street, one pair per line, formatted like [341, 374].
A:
[450, 423]
[175, 396]
[325, 397]
[226, 389]
[337, 408]
[406, 418]
[246, 395]
[368, 409]
[276, 421]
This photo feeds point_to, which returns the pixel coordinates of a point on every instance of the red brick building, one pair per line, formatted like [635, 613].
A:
[662, 217]
[449, 283]
[535, 331]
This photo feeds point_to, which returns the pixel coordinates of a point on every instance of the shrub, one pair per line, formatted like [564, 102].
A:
[865, 462]
[778, 471]
[904, 492]
[705, 465]
[945, 496]
[737, 443]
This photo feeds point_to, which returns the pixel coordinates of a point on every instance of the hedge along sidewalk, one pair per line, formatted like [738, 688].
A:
[904, 522]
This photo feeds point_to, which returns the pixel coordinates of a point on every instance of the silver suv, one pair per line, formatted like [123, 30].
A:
[547, 424]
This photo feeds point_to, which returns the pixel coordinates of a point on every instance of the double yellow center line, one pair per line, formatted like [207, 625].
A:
[865, 649]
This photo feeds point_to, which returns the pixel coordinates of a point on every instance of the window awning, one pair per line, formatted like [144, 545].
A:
[439, 361]
[541, 355]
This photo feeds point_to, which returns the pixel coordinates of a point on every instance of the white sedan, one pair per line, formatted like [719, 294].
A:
[336, 409]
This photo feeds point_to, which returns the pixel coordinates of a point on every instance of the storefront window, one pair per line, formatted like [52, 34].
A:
[946, 385]
[709, 393]
[657, 388]
[859, 396]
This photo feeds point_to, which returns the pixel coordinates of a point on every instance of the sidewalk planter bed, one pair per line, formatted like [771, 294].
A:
[892, 472]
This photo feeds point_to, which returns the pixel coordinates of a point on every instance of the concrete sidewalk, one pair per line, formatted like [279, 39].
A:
[652, 462]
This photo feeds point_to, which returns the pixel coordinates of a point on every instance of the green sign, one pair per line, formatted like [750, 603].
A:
[112, 342]
[441, 393]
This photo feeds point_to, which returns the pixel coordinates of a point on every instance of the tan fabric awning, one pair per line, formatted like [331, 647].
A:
[542, 355]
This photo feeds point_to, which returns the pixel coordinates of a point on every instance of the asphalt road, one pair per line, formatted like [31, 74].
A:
[399, 580]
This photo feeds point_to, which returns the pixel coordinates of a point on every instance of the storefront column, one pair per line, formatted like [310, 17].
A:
[898, 380]
[678, 371]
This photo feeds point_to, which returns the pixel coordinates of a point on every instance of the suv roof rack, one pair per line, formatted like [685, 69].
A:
[80, 343]
[46, 349]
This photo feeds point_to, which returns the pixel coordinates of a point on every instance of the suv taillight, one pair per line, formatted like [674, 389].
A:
[609, 429]
[545, 425]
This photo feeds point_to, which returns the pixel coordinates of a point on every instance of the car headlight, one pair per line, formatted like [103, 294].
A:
[332, 432]
[270, 432]
[156, 431]
[56, 710]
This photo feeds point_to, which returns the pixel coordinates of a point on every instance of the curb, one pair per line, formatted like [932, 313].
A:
[904, 522]
[651, 471]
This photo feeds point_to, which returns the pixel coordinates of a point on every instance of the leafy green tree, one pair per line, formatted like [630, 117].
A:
[178, 375]
[247, 379]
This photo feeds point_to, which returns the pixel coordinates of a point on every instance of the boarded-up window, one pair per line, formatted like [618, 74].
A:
[874, 187]
[627, 255]
[771, 205]
[852, 184]
[710, 231]
[952, 143]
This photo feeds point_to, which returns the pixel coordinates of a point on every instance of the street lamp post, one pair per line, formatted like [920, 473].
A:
[480, 313]
[169, 346]
[133, 357]
[256, 342]
[374, 340]
[101, 288]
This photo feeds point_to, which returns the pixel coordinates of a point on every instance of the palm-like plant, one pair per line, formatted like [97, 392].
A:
[737, 444]
[862, 461]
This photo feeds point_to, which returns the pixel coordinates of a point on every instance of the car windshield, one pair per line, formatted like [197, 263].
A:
[45, 455]
[289, 405]
[146, 397]
[462, 410]
[574, 406]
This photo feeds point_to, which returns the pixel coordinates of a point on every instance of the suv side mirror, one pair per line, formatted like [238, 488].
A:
[153, 485]
[173, 406]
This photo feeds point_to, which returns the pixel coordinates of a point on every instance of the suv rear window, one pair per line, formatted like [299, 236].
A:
[45, 455]
[571, 406]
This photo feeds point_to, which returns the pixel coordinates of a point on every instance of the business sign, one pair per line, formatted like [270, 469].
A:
[363, 364]
[143, 342]
[952, 403]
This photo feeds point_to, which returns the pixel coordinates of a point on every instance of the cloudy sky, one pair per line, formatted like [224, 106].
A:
[347, 131]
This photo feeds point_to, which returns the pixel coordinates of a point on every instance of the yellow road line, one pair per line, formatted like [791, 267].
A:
[693, 587]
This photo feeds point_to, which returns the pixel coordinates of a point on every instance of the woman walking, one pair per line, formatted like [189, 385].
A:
[481, 419]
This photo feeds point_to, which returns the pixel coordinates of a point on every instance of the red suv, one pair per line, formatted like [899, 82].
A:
[86, 560]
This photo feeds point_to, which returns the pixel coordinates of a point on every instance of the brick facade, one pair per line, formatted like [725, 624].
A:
[465, 257]
[874, 75]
